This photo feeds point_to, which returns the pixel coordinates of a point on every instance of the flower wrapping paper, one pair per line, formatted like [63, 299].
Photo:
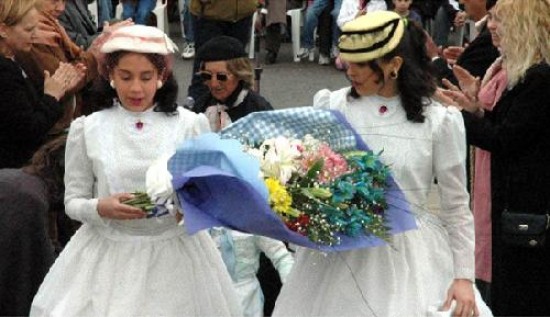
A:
[218, 184]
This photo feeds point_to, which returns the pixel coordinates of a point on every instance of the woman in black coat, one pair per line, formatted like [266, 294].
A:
[227, 71]
[27, 113]
[517, 133]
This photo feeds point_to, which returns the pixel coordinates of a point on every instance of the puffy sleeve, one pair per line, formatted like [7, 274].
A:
[321, 99]
[201, 125]
[80, 203]
[449, 167]
[277, 252]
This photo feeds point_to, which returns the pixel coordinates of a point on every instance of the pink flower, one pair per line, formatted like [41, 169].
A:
[334, 164]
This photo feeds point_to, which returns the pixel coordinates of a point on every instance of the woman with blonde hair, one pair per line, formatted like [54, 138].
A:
[517, 134]
[26, 115]
[52, 45]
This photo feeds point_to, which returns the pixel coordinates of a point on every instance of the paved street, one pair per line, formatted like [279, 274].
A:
[284, 84]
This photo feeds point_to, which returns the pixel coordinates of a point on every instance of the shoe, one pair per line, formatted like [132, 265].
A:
[304, 52]
[270, 57]
[323, 59]
[188, 51]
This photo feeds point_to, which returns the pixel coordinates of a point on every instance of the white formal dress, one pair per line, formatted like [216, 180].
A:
[146, 267]
[410, 278]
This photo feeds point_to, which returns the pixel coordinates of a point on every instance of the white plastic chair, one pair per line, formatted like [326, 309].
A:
[296, 21]
[94, 11]
[160, 11]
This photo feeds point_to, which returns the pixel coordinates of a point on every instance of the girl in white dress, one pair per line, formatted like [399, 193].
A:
[121, 263]
[422, 272]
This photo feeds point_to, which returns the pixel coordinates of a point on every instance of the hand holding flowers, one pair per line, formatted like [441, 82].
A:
[158, 199]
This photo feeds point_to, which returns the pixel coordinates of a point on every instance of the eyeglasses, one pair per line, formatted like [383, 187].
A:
[206, 76]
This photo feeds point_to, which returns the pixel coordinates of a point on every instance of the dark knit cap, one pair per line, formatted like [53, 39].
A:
[221, 48]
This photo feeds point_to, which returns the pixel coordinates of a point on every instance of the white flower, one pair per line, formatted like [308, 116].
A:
[280, 155]
[158, 180]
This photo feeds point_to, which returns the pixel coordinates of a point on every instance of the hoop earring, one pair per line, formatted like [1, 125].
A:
[394, 74]
[112, 83]
[159, 84]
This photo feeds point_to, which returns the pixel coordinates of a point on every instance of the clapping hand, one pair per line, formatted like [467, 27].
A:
[465, 95]
[468, 83]
[452, 53]
[65, 78]
[460, 19]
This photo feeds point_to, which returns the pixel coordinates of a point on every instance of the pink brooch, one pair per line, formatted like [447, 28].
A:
[139, 125]
[383, 109]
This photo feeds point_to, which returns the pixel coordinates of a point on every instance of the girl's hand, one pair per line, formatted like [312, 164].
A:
[461, 291]
[113, 207]
[104, 36]
[361, 12]
[109, 28]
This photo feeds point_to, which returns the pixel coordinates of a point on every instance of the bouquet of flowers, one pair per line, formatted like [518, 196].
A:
[298, 175]
[320, 193]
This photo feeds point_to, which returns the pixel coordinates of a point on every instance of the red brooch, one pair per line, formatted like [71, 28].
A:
[139, 125]
[383, 109]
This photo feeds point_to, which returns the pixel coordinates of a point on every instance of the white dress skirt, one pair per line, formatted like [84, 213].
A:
[146, 267]
[412, 276]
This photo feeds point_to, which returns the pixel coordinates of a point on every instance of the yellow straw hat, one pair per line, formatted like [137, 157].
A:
[371, 36]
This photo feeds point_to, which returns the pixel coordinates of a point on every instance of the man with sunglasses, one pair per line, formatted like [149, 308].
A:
[229, 76]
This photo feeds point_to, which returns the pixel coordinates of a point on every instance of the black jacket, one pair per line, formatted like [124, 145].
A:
[251, 103]
[476, 58]
[517, 133]
[26, 115]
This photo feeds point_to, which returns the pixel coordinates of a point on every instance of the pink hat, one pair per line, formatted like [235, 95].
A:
[140, 39]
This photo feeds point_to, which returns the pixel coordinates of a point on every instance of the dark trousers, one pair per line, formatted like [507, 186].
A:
[206, 29]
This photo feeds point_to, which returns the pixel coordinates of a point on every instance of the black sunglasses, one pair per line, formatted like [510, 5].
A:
[205, 76]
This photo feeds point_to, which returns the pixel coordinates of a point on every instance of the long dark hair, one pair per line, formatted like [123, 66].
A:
[48, 163]
[416, 81]
[103, 94]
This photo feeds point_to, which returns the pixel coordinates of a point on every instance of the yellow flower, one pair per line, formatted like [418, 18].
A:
[279, 199]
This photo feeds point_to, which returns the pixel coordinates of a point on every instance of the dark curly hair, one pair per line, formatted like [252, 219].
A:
[48, 163]
[103, 94]
[416, 81]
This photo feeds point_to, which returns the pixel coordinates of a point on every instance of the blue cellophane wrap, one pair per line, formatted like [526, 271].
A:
[219, 185]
